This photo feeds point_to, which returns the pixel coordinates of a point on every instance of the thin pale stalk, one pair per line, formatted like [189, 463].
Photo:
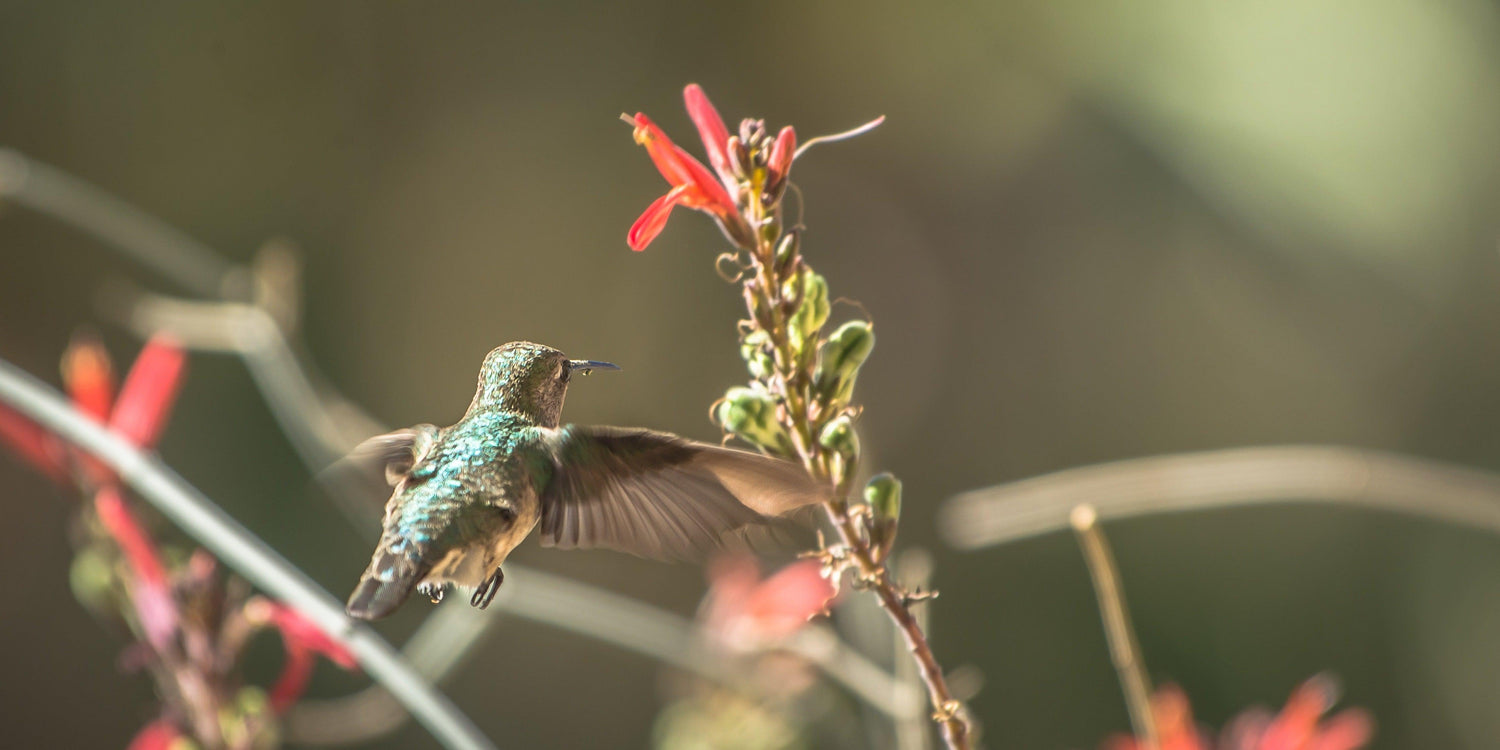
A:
[1124, 649]
[201, 519]
[1320, 474]
[144, 238]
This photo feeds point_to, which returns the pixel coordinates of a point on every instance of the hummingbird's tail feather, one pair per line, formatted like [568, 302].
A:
[389, 581]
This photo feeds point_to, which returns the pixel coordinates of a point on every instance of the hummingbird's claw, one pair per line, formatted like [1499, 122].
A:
[432, 591]
[486, 591]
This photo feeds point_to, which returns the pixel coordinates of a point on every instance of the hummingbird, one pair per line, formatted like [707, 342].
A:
[464, 496]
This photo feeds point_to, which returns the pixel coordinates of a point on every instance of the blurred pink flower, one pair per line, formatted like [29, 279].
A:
[1299, 726]
[303, 642]
[747, 612]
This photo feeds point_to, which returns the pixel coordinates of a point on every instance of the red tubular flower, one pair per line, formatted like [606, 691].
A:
[139, 413]
[747, 612]
[711, 129]
[33, 444]
[782, 153]
[150, 390]
[149, 589]
[1299, 726]
[89, 376]
[303, 641]
[693, 186]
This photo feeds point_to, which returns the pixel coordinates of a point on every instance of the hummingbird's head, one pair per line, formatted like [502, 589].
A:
[529, 378]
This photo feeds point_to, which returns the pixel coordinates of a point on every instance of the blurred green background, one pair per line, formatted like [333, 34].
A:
[1088, 231]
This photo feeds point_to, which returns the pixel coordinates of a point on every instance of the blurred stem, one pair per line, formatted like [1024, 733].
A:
[796, 387]
[1223, 479]
[146, 239]
[1124, 649]
[201, 519]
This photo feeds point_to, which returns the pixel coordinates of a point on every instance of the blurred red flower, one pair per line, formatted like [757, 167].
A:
[745, 612]
[303, 642]
[158, 735]
[1299, 726]
[138, 413]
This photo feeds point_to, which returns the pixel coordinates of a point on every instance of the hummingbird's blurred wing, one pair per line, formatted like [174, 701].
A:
[394, 453]
[658, 495]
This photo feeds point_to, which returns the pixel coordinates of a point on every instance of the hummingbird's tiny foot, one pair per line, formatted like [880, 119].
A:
[432, 591]
[486, 591]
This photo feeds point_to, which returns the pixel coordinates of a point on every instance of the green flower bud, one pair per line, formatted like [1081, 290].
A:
[755, 348]
[750, 415]
[810, 316]
[92, 579]
[883, 494]
[839, 437]
[840, 358]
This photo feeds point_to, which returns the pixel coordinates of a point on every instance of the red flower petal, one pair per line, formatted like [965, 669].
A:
[680, 169]
[150, 389]
[783, 603]
[299, 630]
[664, 154]
[744, 611]
[1297, 723]
[302, 640]
[704, 193]
[653, 220]
[149, 589]
[1349, 730]
[1174, 720]
[292, 683]
[782, 152]
[710, 128]
[89, 376]
[33, 444]
[158, 735]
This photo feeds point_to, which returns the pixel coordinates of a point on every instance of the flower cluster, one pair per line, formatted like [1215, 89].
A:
[799, 402]
[1300, 725]
[191, 623]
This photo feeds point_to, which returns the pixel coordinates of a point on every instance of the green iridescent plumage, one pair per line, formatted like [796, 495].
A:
[466, 495]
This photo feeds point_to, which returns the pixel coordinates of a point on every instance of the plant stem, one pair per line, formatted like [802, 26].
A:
[794, 384]
[1124, 649]
[1276, 474]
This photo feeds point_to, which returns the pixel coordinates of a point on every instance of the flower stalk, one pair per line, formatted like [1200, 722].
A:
[799, 403]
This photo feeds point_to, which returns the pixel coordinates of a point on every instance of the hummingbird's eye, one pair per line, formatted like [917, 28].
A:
[564, 372]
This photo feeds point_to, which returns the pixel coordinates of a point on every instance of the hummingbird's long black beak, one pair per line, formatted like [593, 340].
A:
[586, 366]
